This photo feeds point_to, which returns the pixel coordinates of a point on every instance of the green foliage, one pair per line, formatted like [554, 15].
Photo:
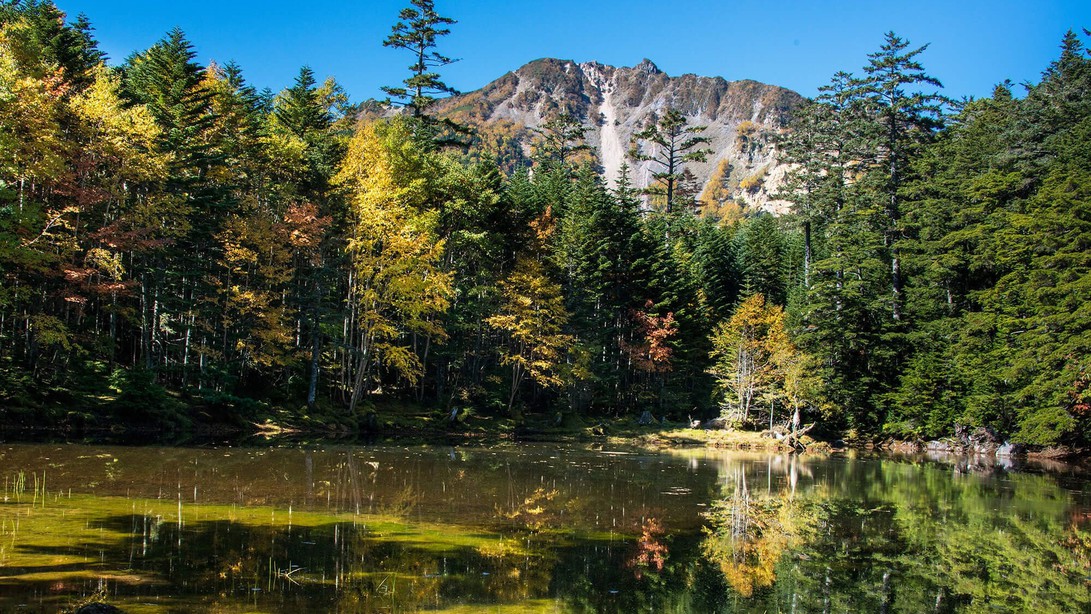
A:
[210, 242]
[762, 253]
[142, 401]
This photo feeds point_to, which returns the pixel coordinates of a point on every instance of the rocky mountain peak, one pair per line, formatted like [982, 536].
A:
[615, 103]
[647, 66]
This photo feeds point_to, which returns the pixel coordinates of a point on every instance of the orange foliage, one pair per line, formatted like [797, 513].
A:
[651, 553]
[652, 353]
[305, 226]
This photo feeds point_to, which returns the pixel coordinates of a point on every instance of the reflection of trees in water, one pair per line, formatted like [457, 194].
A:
[886, 536]
[749, 533]
[581, 533]
[651, 549]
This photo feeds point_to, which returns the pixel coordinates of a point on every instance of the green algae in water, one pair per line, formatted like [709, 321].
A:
[531, 529]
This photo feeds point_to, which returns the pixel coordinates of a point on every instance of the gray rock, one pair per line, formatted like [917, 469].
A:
[716, 424]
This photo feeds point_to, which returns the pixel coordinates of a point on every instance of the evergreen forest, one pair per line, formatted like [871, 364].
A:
[178, 248]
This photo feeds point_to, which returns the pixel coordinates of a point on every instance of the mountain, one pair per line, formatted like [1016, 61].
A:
[614, 103]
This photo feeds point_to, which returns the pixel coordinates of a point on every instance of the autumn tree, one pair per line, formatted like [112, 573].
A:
[746, 352]
[397, 286]
[532, 317]
[306, 145]
[651, 350]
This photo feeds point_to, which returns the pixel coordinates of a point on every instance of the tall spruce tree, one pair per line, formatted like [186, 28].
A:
[904, 118]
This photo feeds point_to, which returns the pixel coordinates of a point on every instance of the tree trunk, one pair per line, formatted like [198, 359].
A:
[807, 255]
[316, 349]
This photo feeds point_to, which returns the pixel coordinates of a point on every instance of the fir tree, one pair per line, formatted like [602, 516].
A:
[904, 118]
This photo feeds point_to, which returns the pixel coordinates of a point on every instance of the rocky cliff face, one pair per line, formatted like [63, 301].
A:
[614, 103]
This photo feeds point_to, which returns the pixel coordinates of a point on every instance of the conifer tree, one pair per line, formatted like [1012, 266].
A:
[762, 256]
[904, 118]
[298, 108]
[670, 143]
[70, 47]
[416, 32]
[562, 137]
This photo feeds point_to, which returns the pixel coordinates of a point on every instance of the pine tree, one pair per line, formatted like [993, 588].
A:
[70, 47]
[670, 143]
[416, 32]
[179, 284]
[561, 138]
[763, 260]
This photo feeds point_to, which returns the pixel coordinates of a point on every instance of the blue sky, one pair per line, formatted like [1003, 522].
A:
[798, 44]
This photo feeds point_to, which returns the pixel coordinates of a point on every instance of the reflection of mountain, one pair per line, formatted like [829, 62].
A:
[614, 103]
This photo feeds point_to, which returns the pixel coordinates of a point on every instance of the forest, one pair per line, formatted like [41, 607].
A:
[177, 247]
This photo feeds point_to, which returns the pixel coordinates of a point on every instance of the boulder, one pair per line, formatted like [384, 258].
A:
[938, 446]
[716, 424]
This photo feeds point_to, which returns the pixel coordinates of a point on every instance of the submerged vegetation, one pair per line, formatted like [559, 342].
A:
[530, 528]
[178, 248]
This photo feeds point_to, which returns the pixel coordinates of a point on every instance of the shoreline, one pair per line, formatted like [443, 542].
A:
[477, 430]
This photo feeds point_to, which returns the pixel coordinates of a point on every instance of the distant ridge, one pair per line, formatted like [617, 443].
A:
[614, 103]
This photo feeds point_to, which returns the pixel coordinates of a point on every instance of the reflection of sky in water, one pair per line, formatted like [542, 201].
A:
[368, 529]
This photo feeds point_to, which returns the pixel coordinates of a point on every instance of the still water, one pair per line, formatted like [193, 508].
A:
[533, 528]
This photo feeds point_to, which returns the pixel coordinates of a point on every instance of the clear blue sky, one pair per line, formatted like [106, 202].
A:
[798, 44]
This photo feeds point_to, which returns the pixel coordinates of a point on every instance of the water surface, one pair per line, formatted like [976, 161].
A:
[532, 528]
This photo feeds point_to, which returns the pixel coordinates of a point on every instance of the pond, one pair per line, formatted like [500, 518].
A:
[549, 528]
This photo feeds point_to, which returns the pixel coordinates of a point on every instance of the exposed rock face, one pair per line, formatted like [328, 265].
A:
[614, 103]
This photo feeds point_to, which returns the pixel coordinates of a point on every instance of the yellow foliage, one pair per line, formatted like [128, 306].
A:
[744, 352]
[532, 316]
[399, 287]
[256, 252]
[118, 135]
[754, 357]
[286, 153]
[748, 535]
[106, 261]
[753, 182]
[32, 144]
[717, 201]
